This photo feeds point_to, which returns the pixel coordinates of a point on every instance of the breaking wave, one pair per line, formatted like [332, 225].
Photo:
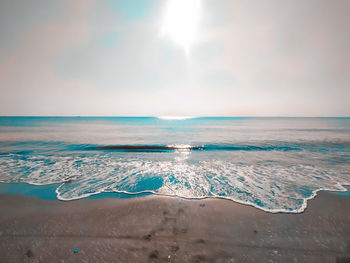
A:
[272, 181]
[274, 164]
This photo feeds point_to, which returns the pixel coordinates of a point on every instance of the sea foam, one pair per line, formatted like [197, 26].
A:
[270, 181]
[273, 164]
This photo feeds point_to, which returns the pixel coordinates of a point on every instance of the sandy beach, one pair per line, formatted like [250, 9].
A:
[165, 229]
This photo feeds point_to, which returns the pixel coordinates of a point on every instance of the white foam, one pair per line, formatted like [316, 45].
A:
[283, 185]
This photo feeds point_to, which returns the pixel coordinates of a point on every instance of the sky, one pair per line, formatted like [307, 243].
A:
[175, 58]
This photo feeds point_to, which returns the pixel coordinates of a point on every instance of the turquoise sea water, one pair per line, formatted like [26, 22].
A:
[275, 164]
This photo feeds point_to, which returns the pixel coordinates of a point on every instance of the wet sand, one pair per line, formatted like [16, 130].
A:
[165, 229]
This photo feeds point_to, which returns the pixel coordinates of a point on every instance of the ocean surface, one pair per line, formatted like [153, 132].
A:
[275, 164]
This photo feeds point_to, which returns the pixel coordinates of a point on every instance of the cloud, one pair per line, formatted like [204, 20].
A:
[108, 58]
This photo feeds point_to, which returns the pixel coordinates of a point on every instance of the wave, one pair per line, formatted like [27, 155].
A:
[167, 148]
[275, 164]
[270, 181]
[324, 146]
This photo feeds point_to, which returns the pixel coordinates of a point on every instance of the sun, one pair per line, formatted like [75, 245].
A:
[181, 21]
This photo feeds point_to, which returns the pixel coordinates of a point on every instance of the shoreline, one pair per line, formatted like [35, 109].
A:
[170, 229]
[50, 192]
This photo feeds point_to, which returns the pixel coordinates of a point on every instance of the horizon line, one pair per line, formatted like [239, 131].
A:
[179, 116]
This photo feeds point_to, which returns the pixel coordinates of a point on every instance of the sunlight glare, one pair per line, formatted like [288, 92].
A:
[181, 21]
[175, 117]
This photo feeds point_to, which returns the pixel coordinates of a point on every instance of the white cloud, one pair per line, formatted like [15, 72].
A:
[252, 58]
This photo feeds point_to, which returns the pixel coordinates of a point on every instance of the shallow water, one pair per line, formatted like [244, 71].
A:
[275, 164]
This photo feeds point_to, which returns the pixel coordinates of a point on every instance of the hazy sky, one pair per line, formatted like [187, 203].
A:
[151, 58]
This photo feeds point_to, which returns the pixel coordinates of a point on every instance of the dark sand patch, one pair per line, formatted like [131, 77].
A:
[165, 229]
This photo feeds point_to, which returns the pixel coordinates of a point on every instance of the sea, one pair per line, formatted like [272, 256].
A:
[274, 164]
